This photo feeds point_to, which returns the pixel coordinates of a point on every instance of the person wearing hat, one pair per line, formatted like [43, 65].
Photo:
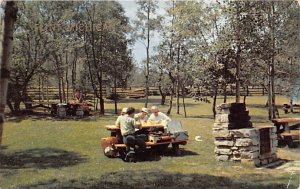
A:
[123, 112]
[158, 116]
[131, 138]
[142, 116]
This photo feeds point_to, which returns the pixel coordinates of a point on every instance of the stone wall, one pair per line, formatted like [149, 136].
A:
[237, 140]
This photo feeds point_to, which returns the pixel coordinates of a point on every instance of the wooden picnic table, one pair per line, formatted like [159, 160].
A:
[285, 123]
[166, 140]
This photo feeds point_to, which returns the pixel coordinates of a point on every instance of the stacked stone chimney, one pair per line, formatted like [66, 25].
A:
[237, 140]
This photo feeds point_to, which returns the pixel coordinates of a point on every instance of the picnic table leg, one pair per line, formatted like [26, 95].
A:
[176, 149]
[286, 127]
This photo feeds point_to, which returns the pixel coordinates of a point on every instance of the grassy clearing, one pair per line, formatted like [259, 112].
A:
[42, 152]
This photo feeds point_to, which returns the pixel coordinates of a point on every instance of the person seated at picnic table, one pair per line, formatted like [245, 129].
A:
[78, 96]
[142, 116]
[123, 112]
[158, 116]
[131, 138]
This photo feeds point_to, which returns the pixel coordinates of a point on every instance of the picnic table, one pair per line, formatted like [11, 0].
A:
[285, 122]
[148, 128]
[286, 134]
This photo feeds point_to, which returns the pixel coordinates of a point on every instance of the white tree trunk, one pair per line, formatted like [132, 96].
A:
[10, 16]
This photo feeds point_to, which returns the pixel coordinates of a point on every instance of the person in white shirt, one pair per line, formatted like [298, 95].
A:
[142, 116]
[123, 112]
[158, 116]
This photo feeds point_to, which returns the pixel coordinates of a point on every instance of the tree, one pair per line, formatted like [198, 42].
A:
[145, 24]
[10, 16]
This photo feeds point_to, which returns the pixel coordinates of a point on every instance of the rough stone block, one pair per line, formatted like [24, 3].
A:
[223, 111]
[224, 151]
[221, 134]
[264, 162]
[246, 142]
[274, 142]
[224, 143]
[222, 118]
[223, 125]
[224, 106]
[249, 148]
[257, 162]
[245, 133]
[234, 148]
[236, 157]
[222, 157]
[274, 156]
[249, 155]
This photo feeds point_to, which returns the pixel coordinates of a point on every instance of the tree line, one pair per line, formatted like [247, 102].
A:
[213, 45]
[79, 44]
[203, 45]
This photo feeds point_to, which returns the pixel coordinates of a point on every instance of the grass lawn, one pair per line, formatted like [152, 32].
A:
[43, 152]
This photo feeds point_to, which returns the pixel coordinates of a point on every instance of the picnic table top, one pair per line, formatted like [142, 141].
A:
[156, 144]
[114, 127]
[286, 120]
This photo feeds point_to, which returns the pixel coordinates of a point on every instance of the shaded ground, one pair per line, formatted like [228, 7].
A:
[39, 158]
[158, 180]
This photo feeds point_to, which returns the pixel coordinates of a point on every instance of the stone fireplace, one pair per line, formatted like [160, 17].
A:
[237, 140]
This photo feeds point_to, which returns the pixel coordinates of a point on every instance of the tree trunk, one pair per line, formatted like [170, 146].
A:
[73, 74]
[59, 90]
[43, 88]
[10, 16]
[172, 89]
[238, 61]
[39, 81]
[183, 102]
[67, 77]
[170, 103]
[225, 93]
[291, 87]
[275, 110]
[115, 91]
[246, 94]
[291, 104]
[177, 81]
[101, 95]
[215, 101]
[148, 58]
[101, 74]
[47, 83]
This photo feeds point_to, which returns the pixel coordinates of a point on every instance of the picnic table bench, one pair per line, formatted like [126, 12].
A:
[163, 142]
[285, 133]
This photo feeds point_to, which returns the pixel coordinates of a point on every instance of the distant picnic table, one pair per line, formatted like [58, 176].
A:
[286, 134]
[285, 122]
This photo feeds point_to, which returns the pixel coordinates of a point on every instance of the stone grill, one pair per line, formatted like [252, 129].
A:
[237, 140]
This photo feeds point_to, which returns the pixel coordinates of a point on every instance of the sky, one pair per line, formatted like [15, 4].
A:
[139, 50]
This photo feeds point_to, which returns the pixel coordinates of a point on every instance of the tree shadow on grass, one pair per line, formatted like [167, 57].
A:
[38, 116]
[39, 158]
[157, 180]
[156, 154]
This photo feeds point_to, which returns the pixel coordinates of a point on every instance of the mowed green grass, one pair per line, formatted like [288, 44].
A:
[44, 152]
